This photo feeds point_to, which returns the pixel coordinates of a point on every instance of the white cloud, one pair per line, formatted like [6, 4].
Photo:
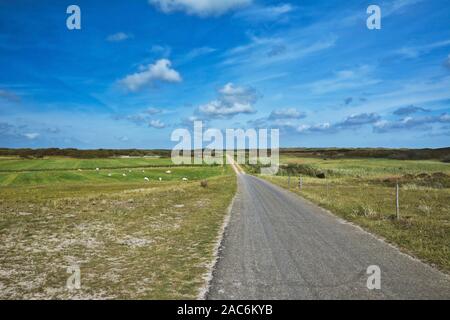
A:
[288, 113]
[408, 110]
[152, 111]
[193, 118]
[189, 121]
[398, 6]
[255, 43]
[117, 37]
[194, 53]
[31, 136]
[444, 118]
[217, 108]
[321, 127]
[351, 122]
[202, 8]
[160, 71]
[232, 100]
[344, 80]
[418, 91]
[414, 91]
[157, 124]
[356, 120]
[407, 123]
[269, 13]
[231, 94]
[260, 52]
[231, 90]
[141, 118]
[414, 52]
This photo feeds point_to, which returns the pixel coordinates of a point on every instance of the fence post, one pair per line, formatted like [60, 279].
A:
[300, 183]
[397, 205]
[289, 181]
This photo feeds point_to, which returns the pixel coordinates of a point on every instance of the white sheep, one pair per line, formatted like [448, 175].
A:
[124, 175]
[168, 172]
[160, 179]
[146, 179]
[97, 169]
[109, 174]
[185, 179]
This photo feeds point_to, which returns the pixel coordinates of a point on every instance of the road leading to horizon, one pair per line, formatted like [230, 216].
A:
[279, 246]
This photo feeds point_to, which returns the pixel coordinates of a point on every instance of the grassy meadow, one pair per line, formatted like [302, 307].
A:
[8, 164]
[363, 191]
[131, 238]
[105, 176]
[137, 238]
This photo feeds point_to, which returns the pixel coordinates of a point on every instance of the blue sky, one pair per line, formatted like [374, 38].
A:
[139, 69]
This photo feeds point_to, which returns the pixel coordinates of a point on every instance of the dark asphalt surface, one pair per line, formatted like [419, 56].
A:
[279, 246]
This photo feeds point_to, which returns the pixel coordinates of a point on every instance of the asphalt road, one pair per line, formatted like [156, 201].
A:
[279, 246]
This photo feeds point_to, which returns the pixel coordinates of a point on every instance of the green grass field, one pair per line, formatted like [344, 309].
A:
[152, 239]
[363, 191]
[369, 167]
[120, 176]
[61, 163]
[131, 238]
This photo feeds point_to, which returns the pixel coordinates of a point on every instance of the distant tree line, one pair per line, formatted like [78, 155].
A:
[85, 154]
[442, 154]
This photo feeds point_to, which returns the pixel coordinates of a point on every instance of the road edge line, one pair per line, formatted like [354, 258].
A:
[208, 276]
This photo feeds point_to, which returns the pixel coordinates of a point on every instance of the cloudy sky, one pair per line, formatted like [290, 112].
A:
[139, 69]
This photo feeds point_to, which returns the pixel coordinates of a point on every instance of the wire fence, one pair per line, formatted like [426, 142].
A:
[373, 199]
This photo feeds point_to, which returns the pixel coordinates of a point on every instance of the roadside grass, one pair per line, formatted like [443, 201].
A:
[368, 200]
[131, 239]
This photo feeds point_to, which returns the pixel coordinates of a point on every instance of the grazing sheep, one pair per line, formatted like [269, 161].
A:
[185, 179]
[109, 174]
[160, 179]
[168, 172]
[97, 169]
[124, 175]
[129, 171]
[146, 179]
[143, 171]
[80, 170]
